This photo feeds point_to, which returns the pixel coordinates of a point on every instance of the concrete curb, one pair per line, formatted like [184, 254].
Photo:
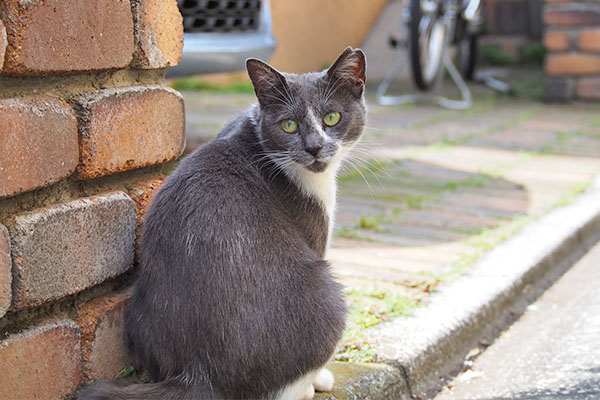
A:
[428, 346]
[358, 381]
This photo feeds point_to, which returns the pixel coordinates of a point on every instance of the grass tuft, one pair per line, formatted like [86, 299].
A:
[367, 308]
[196, 84]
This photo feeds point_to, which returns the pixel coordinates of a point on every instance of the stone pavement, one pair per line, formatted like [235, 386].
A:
[429, 191]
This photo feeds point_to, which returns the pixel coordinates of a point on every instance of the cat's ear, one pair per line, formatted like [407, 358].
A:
[268, 83]
[350, 66]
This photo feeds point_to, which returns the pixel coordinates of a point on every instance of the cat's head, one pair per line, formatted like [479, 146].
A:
[309, 120]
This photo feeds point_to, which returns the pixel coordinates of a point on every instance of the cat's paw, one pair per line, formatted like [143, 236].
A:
[323, 382]
[309, 394]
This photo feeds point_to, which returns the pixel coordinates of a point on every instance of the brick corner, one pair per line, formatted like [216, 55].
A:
[142, 193]
[3, 44]
[128, 128]
[158, 31]
[5, 271]
[103, 338]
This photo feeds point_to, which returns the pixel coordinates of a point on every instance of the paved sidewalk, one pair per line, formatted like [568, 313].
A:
[429, 191]
[551, 353]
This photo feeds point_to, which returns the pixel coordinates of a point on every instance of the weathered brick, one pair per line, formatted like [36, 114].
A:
[557, 40]
[103, 340]
[589, 40]
[571, 17]
[5, 273]
[158, 32]
[38, 136]
[43, 362]
[141, 193]
[126, 128]
[63, 249]
[59, 36]
[572, 64]
[588, 88]
[3, 44]
[558, 89]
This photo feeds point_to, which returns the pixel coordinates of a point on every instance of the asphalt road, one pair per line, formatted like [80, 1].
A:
[552, 352]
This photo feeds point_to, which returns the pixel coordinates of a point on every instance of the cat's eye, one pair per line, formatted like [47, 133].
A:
[332, 118]
[289, 125]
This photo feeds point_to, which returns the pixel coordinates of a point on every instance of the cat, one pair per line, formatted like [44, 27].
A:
[233, 298]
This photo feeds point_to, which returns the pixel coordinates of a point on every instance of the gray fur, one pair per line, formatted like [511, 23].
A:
[233, 299]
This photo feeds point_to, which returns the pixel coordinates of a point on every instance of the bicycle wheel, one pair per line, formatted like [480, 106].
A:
[427, 36]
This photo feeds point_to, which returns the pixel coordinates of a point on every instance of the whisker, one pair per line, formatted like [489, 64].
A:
[365, 180]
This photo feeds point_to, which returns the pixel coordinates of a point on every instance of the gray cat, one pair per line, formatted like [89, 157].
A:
[233, 299]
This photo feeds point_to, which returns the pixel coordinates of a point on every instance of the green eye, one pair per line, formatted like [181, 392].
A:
[332, 118]
[289, 125]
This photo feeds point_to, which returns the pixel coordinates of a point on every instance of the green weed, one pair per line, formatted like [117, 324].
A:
[495, 55]
[576, 190]
[533, 54]
[197, 84]
[372, 222]
[367, 308]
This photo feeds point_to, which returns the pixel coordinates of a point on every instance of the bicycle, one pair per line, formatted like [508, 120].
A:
[432, 27]
[431, 24]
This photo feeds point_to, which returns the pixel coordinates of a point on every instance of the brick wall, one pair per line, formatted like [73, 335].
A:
[512, 26]
[572, 39]
[85, 123]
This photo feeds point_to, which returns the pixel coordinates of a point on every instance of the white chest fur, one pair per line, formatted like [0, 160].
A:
[320, 186]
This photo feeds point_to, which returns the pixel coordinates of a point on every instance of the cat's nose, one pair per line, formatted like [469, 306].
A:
[313, 150]
[313, 144]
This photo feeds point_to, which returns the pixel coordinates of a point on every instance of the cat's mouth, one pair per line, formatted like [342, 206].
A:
[317, 166]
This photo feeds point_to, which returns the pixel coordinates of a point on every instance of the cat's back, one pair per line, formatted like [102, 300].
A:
[218, 208]
[218, 175]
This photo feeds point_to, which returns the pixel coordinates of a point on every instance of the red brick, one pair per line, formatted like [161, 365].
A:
[62, 249]
[141, 193]
[5, 271]
[41, 363]
[103, 339]
[158, 33]
[589, 40]
[2, 44]
[557, 40]
[126, 128]
[64, 36]
[571, 17]
[572, 64]
[38, 136]
[589, 88]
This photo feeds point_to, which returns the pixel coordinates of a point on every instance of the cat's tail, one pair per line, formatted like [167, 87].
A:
[165, 390]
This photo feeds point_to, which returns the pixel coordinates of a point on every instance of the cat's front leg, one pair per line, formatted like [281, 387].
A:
[309, 394]
[323, 381]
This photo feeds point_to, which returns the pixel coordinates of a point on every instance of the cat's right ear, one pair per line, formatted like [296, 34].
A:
[268, 83]
[350, 67]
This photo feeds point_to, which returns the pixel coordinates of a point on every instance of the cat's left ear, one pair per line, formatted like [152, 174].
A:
[267, 81]
[350, 66]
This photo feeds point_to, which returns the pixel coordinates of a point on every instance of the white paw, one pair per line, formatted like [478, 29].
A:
[323, 382]
[309, 394]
